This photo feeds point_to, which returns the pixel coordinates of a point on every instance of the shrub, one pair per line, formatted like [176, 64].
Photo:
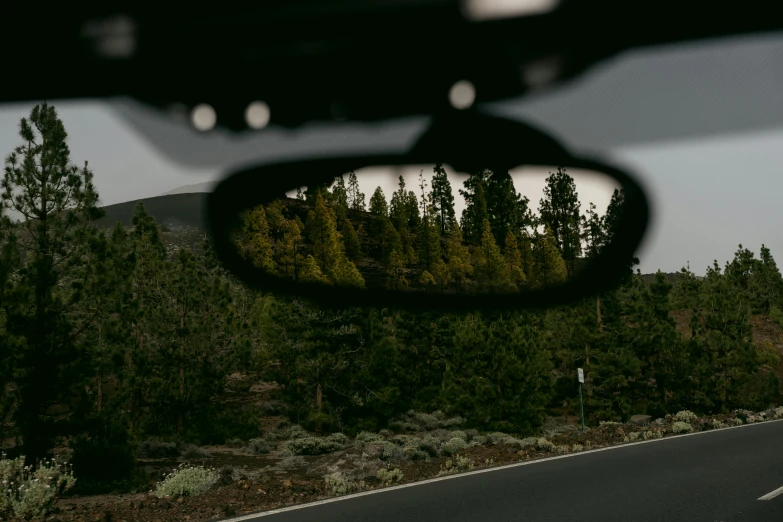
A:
[716, 424]
[187, 481]
[191, 451]
[311, 446]
[153, 449]
[28, 491]
[480, 440]
[497, 437]
[777, 413]
[544, 445]
[449, 423]
[454, 445]
[471, 434]
[258, 447]
[576, 447]
[458, 434]
[337, 484]
[338, 438]
[456, 465]
[681, 427]
[366, 437]
[400, 425]
[561, 449]
[295, 432]
[685, 416]
[426, 421]
[235, 443]
[429, 445]
[391, 451]
[388, 476]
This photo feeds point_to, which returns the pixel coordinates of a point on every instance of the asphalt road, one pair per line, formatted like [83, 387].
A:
[713, 476]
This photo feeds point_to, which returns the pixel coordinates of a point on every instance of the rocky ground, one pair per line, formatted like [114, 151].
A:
[290, 466]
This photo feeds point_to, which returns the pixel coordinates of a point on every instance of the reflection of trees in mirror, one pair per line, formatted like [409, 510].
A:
[416, 243]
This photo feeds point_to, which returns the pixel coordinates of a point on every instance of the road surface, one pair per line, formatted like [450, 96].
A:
[716, 476]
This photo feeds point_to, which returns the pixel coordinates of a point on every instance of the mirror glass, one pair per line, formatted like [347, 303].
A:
[428, 228]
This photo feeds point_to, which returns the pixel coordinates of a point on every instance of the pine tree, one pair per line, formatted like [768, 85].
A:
[506, 208]
[353, 247]
[378, 205]
[57, 202]
[322, 232]
[458, 259]
[255, 243]
[559, 210]
[489, 265]
[475, 207]
[288, 257]
[427, 280]
[514, 263]
[766, 286]
[311, 272]
[550, 268]
[593, 232]
[340, 194]
[442, 200]
[442, 274]
[355, 196]
[389, 240]
[429, 233]
[395, 271]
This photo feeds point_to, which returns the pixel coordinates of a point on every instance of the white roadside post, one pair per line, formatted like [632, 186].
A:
[581, 375]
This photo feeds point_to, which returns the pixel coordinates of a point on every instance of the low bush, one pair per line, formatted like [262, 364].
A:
[311, 446]
[29, 491]
[187, 481]
[366, 437]
[685, 416]
[681, 427]
[258, 447]
[389, 476]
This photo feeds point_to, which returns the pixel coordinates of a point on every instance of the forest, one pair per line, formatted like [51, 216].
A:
[109, 337]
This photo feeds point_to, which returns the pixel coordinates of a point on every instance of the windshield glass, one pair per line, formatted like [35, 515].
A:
[128, 352]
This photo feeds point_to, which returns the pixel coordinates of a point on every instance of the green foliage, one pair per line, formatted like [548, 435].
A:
[31, 491]
[187, 481]
[560, 211]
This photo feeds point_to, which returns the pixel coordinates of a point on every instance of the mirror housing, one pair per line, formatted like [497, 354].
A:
[460, 139]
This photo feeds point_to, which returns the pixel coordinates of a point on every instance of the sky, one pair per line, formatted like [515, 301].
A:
[700, 126]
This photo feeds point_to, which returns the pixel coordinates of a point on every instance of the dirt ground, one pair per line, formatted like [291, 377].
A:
[263, 482]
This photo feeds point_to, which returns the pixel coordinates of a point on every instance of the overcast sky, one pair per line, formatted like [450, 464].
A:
[702, 126]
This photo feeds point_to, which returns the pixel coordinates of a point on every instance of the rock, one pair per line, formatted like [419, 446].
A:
[641, 419]
[180, 500]
[660, 422]
[620, 432]
[286, 484]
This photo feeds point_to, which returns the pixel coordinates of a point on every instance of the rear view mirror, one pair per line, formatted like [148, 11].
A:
[482, 213]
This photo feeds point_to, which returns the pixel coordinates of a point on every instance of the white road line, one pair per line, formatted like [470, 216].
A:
[772, 494]
[252, 516]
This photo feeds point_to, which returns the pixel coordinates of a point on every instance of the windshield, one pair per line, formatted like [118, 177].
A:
[128, 352]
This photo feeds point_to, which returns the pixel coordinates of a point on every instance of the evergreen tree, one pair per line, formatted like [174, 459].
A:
[550, 269]
[340, 195]
[355, 196]
[256, 244]
[593, 231]
[490, 267]
[475, 207]
[442, 200]
[559, 210]
[58, 203]
[395, 271]
[515, 266]
[322, 232]
[458, 259]
[389, 240]
[506, 209]
[378, 205]
[288, 257]
[353, 247]
[311, 272]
